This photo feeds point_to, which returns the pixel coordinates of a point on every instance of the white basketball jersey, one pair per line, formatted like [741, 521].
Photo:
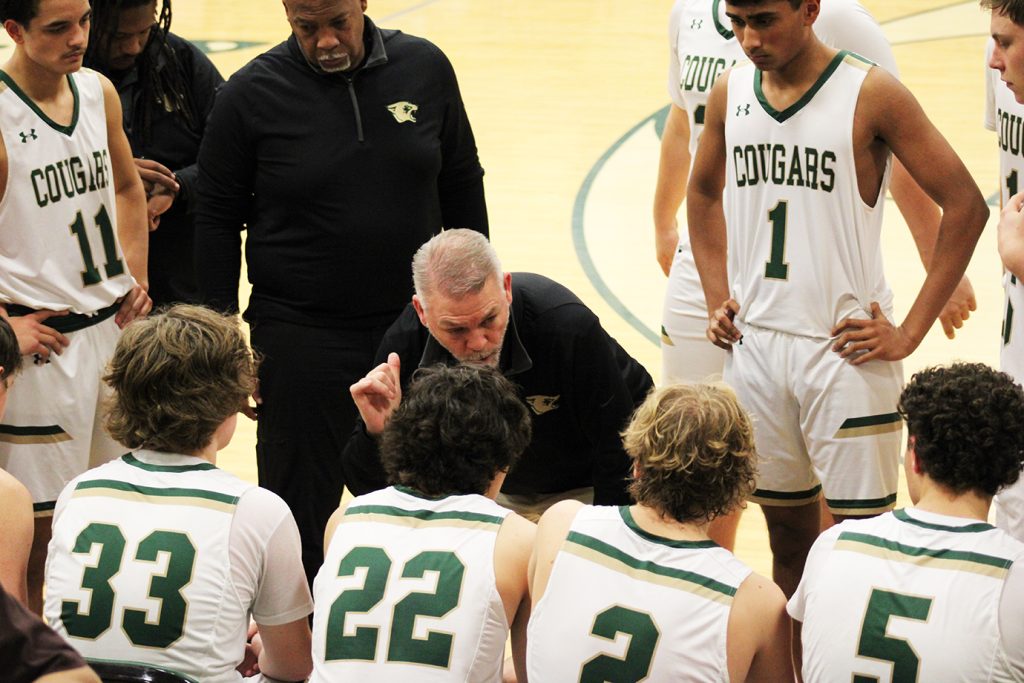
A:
[804, 248]
[1006, 117]
[407, 591]
[58, 242]
[138, 568]
[624, 605]
[907, 596]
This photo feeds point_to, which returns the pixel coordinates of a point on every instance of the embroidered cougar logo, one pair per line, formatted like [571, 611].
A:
[403, 111]
[542, 404]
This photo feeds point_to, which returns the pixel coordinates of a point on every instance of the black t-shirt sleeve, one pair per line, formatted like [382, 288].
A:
[29, 648]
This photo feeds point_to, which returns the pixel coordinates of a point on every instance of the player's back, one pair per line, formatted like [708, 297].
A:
[623, 604]
[906, 596]
[407, 591]
[804, 246]
[139, 566]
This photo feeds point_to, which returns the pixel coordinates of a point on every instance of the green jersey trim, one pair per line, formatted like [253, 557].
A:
[966, 529]
[130, 459]
[66, 130]
[113, 486]
[791, 110]
[627, 517]
[419, 494]
[722, 31]
[961, 557]
[423, 515]
[604, 550]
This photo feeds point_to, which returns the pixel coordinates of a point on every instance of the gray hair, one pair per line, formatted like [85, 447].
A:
[455, 263]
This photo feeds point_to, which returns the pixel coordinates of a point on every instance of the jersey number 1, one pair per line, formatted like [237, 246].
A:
[114, 266]
[775, 269]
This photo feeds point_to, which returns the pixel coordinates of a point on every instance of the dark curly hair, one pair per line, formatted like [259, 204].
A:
[176, 377]
[454, 431]
[10, 353]
[165, 82]
[967, 423]
[693, 448]
[21, 11]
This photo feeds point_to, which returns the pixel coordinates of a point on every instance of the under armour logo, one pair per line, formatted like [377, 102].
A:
[697, 23]
[743, 109]
[31, 135]
[403, 111]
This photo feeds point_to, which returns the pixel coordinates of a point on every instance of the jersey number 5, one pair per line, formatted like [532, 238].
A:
[435, 649]
[876, 644]
[114, 266]
[170, 622]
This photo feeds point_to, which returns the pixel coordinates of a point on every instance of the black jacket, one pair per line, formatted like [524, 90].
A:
[579, 384]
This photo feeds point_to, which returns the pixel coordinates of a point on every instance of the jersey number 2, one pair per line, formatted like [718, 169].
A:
[170, 621]
[876, 644]
[436, 648]
[114, 266]
[643, 638]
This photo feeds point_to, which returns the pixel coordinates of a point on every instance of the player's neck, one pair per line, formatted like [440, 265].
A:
[653, 522]
[800, 73]
[40, 84]
[942, 501]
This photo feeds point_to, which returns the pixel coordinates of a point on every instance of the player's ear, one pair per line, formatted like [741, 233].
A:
[811, 10]
[15, 31]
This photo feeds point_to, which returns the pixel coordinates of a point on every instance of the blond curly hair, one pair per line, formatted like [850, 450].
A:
[693, 452]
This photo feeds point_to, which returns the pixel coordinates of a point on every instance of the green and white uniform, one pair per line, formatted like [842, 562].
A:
[1006, 117]
[162, 559]
[701, 47]
[804, 253]
[59, 251]
[912, 596]
[407, 591]
[624, 605]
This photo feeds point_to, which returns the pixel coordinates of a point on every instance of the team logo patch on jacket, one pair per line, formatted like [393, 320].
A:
[542, 404]
[403, 111]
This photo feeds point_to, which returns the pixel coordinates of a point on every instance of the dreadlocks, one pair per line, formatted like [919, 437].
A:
[161, 75]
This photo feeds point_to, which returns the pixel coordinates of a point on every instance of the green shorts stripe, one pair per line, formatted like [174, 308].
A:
[869, 425]
[786, 498]
[861, 503]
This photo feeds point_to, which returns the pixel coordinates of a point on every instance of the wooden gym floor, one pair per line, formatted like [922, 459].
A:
[562, 96]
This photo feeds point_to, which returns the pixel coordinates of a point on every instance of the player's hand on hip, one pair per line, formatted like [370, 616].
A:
[135, 304]
[958, 308]
[378, 394]
[721, 330]
[860, 340]
[35, 338]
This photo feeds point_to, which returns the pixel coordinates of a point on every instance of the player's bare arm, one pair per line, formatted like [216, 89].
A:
[888, 117]
[511, 563]
[759, 633]
[378, 394]
[552, 530]
[1011, 235]
[670, 191]
[16, 529]
[923, 216]
[132, 225]
[705, 217]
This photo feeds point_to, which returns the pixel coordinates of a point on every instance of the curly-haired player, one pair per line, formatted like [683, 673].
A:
[648, 573]
[931, 592]
[434, 543]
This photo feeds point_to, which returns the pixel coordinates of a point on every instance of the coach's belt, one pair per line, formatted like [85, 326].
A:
[72, 322]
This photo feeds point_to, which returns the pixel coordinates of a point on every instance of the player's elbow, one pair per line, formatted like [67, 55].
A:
[287, 651]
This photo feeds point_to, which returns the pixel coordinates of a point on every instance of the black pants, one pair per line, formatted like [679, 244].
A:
[306, 418]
